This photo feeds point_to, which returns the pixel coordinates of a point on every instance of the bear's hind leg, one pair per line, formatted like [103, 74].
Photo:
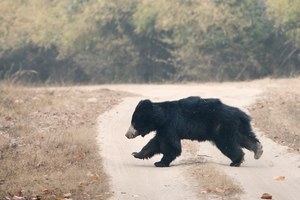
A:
[258, 151]
[232, 151]
[251, 143]
[149, 150]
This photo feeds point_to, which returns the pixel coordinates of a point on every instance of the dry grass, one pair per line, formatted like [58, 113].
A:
[216, 183]
[277, 113]
[47, 142]
[212, 182]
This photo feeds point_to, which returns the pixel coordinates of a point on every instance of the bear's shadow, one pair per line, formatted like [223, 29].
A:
[200, 160]
[181, 162]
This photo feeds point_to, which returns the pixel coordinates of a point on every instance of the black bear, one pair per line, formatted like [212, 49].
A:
[192, 118]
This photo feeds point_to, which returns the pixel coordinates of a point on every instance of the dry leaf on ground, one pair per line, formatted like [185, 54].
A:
[279, 178]
[266, 196]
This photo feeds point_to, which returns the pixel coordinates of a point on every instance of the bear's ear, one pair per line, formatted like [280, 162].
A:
[145, 104]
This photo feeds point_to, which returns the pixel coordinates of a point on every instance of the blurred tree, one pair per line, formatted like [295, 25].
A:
[286, 14]
[214, 40]
[148, 41]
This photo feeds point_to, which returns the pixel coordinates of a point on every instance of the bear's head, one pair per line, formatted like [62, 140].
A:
[145, 119]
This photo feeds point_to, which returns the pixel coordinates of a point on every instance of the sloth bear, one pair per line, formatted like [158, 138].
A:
[192, 118]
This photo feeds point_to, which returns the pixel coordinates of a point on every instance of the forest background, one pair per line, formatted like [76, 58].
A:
[133, 41]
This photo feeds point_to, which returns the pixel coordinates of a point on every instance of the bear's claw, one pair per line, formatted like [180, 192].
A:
[137, 155]
[237, 164]
[259, 151]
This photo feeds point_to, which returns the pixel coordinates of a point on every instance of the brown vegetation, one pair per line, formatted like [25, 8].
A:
[47, 142]
[277, 113]
[213, 182]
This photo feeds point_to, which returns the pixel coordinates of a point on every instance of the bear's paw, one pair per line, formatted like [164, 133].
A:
[160, 164]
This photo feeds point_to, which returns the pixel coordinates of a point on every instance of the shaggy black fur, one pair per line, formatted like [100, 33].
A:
[193, 118]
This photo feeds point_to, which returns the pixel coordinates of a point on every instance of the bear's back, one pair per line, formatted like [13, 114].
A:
[197, 104]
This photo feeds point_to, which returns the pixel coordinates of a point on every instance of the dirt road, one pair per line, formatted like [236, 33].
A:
[139, 179]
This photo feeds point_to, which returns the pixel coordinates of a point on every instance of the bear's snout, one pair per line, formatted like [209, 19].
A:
[131, 133]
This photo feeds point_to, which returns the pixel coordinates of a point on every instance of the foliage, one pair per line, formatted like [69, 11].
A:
[144, 41]
[287, 15]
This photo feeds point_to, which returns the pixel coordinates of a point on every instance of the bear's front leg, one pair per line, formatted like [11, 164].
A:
[149, 150]
[170, 150]
[162, 163]
[138, 155]
[165, 161]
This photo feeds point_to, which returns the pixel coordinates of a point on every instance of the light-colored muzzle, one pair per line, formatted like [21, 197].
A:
[131, 133]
